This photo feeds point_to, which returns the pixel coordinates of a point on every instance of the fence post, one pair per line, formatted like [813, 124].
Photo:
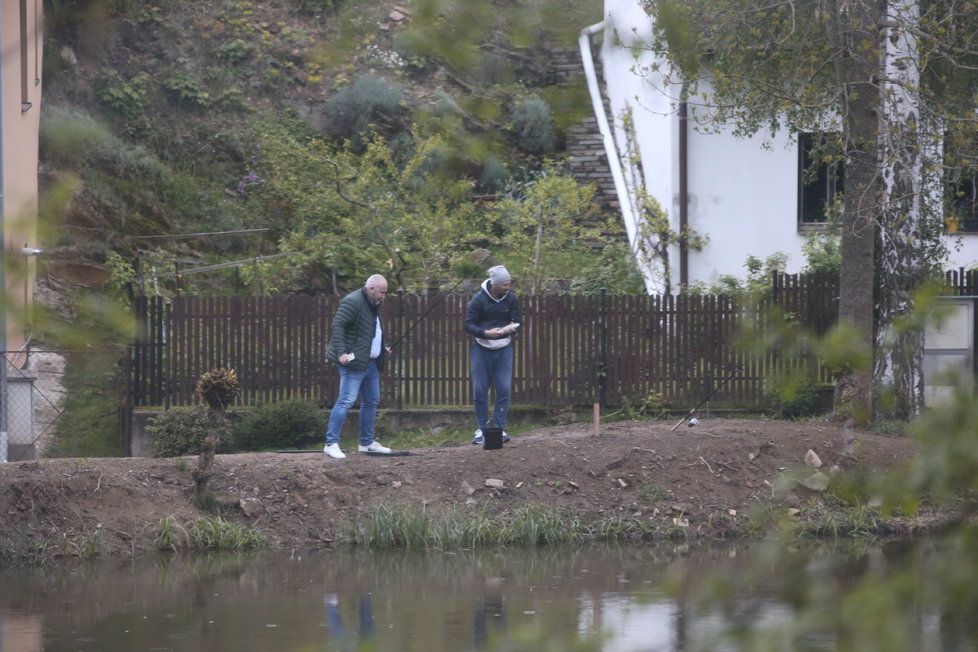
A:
[166, 354]
[603, 347]
[125, 410]
[399, 384]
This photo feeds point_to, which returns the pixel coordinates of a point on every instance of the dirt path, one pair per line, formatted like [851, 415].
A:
[709, 475]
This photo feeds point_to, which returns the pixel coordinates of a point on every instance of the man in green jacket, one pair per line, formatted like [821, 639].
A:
[356, 346]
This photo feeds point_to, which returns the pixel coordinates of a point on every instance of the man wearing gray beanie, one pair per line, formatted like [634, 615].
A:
[492, 318]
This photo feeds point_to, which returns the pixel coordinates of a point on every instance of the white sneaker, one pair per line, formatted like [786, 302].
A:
[477, 438]
[374, 447]
[333, 450]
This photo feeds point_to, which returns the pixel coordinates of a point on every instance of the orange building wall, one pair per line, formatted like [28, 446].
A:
[21, 123]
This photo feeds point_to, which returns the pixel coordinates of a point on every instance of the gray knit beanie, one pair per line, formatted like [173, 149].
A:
[499, 274]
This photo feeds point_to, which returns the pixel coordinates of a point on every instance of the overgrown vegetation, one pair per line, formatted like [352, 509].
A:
[181, 431]
[285, 424]
[206, 533]
[88, 424]
[326, 136]
[418, 528]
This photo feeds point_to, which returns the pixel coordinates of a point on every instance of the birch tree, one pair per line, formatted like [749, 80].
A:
[891, 76]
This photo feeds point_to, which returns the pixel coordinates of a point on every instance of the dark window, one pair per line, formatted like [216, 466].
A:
[964, 206]
[818, 182]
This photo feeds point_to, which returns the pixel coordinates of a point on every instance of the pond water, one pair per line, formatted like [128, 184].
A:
[607, 598]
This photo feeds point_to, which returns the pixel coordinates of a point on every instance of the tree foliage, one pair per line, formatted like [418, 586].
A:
[890, 78]
[552, 225]
[347, 215]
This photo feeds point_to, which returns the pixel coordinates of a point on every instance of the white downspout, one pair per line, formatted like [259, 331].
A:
[632, 221]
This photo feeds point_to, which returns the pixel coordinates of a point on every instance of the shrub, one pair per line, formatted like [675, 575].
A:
[129, 99]
[352, 109]
[183, 88]
[793, 394]
[414, 49]
[180, 431]
[823, 253]
[279, 425]
[494, 175]
[493, 69]
[444, 104]
[533, 126]
[235, 51]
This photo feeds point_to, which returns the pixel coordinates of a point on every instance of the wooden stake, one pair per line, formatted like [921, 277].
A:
[597, 419]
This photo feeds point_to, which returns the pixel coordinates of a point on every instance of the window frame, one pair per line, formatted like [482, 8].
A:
[833, 176]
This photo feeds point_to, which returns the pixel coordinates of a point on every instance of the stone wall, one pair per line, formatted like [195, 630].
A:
[586, 156]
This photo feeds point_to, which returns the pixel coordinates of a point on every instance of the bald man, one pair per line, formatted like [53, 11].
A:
[356, 347]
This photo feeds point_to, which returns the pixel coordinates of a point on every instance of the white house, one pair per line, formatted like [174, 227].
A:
[745, 195]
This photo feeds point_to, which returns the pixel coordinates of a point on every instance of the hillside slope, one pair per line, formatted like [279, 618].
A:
[165, 117]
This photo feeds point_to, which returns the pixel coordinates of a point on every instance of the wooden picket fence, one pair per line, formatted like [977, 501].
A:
[571, 350]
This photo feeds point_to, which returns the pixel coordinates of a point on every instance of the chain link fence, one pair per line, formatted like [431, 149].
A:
[35, 399]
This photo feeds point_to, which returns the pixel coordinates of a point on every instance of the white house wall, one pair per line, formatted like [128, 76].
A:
[964, 251]
[743, 192]
[653, 112]
[743, 195]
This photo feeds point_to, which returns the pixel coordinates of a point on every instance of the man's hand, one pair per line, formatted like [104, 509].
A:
[346, 359]
[502, 331]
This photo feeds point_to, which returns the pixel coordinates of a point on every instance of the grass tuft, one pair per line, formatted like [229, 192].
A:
[418, 528]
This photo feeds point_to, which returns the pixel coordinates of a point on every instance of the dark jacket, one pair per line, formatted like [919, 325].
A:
[484, 312]
[353, 331]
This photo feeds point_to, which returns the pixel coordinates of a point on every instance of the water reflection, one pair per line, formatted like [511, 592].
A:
[615, 599]
[365, 619]
[490, 614]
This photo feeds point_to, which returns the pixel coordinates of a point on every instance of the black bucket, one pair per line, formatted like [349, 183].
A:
[492, 438]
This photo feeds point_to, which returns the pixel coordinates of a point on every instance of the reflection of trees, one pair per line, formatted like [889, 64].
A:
[221, 601]
[425, 601]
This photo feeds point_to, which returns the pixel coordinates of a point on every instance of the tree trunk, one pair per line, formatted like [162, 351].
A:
[854, 389]
[205, 462]
[903, 257]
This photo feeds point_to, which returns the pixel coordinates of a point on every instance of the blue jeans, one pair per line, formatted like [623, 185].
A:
[491, 367]
[366, 385]
[334, 619]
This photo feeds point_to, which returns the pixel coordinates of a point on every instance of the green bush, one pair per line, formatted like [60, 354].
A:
[285, 424]
[823, 253]
[533, 126]
[444, 104]
[127, 98]
[793, 394]
[180, 431]
[235, 51]
[494, 175]
[493, 69]
[184, 88]
[414, 49]
[353, 108]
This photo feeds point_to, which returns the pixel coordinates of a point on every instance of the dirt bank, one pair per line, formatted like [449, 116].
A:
[709, 476]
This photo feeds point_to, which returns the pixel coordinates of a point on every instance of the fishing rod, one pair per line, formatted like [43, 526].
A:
[710, 395]
[426, 313]
[479, 259]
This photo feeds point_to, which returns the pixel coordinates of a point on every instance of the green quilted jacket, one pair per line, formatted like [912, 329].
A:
[353, 330]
